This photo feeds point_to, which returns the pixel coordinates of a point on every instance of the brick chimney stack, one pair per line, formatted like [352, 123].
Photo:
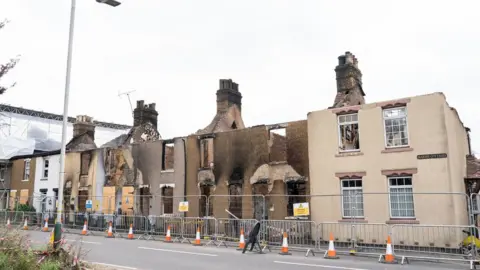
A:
[145, 113]
[227, 95]
[349, 82]
[84, 124]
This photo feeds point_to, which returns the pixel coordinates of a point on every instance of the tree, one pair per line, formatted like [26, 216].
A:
[5, 68]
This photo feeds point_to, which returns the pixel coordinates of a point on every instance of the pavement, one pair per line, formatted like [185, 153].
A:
[124, 254]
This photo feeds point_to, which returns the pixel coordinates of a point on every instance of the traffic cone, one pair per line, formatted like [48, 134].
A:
[130, 232]
[389, 257]
[285, 245]
[45, 228]
[197, 238]
[110, 230]
[25, 225]
[9, 226]
[241, 244]
[168, 237]
[331, 253]
[84, 231]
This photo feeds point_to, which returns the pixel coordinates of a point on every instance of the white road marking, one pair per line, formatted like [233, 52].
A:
[178, 251]
[86, 242]
[320, 266]
[114, 265]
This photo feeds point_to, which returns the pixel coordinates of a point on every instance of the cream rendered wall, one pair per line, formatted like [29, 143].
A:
[430, 129]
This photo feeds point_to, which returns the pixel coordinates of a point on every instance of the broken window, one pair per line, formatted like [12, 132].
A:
[348, 133]
[206, 192]
[235, 192]
[167, 200]
[278, 144]
[85, 161]
[260, 189]
[296, 191]
[206, 153]
[168, 156]
[396, 132]
[26, 171]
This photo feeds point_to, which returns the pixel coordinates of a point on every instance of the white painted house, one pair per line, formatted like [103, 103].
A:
[46, 182]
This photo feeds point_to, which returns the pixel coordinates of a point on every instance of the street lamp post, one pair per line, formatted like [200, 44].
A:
[112, 3]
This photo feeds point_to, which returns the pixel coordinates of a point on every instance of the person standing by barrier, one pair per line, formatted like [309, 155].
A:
[252, 239]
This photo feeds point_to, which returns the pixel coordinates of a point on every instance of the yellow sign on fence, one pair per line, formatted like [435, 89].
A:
[301, 209]
[183, 207]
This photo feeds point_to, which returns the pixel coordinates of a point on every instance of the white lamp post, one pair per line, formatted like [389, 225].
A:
[61, 179]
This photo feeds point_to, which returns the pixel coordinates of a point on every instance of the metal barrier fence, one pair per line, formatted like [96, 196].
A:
[423, 242]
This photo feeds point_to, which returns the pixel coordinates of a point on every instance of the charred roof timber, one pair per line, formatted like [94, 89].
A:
[206, 136]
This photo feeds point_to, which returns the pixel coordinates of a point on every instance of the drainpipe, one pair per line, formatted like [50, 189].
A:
[185, 169]
[468, 141]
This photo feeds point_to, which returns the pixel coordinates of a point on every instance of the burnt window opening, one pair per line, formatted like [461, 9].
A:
[296, 191]
[235, 192]
[205, 191]
[144, 200]
[260, 204]
[206, 153]
[167, 200]
[278, 145]
[82, 200]
[234, 125]
[85, 162]
[349, 139]
[168, 151]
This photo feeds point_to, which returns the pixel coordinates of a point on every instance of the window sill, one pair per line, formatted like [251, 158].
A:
[349, 154]
[167, 171]
[397, 150]
[353, 220]
[44, 179]
[24, 180]
[402, 221]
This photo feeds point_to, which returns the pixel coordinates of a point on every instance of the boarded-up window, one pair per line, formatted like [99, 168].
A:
[23, 196]
[85, 163]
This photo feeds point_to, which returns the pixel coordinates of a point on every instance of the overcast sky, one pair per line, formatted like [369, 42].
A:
[282, 54]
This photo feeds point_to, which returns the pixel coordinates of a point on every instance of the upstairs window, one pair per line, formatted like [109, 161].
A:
[46, 163]
[396, 131]
[349, 139]
[26, 170]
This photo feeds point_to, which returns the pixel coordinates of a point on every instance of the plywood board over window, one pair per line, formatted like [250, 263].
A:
[23, 196]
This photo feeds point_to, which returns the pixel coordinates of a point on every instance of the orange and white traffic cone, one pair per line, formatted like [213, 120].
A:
[110, 230]
[130, 232]
[45, 228]
[84, 231]
[331, 253]
[197, 238]
[168, 237]
[284, 250]
[241, 244]
[25, 225]
[9, 226]
[389, 257]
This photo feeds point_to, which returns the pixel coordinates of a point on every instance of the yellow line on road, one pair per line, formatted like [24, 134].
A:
[320, 266]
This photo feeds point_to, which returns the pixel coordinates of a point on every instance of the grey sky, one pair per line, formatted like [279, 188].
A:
[282, 53]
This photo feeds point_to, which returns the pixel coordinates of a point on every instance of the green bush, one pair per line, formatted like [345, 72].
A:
[24, 208]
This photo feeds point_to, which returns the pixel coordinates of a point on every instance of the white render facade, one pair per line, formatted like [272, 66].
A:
[47, 172]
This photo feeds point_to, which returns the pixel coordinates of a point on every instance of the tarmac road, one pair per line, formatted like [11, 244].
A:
[152, 255]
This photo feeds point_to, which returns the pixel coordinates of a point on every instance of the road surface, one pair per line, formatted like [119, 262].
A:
[152, 255]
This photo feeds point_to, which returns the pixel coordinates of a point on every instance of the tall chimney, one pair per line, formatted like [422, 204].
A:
[349, 82]
[227, 95]
[145, 113]
[84, 124]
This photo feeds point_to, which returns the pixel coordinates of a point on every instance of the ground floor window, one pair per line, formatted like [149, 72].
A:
[296, 191]
[401, 197]
[167, 200]
[352, 198]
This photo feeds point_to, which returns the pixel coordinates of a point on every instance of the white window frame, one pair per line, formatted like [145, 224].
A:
[3, 170]
[26, 176]
[359, 194]
[390, 187]
[46, 167]
[339, 124]
[384, 117]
